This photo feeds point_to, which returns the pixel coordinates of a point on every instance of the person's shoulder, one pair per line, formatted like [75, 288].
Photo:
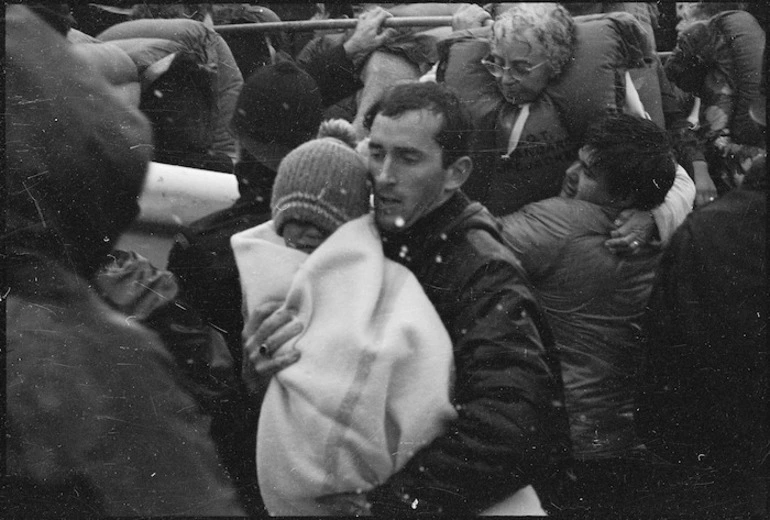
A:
[484, 246]
[563, 205]
[565, 215]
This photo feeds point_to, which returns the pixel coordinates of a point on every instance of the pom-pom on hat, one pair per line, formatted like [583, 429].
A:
[324, 181]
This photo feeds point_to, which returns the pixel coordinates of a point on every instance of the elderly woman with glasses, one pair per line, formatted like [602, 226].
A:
[520, 74]
[531, 45]
[521, 147]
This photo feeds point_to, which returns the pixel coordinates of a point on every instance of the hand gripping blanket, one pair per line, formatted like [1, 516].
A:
[373, 383]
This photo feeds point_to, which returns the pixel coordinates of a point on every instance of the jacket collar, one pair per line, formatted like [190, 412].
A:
[406, 246]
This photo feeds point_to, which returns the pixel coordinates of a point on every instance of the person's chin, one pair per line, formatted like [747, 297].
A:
[389, 222]
[568, 190]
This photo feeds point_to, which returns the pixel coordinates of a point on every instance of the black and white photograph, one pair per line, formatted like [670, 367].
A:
[400, 260]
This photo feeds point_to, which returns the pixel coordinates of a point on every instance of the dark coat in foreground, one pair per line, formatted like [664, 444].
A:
[97, 423]
[705, 400]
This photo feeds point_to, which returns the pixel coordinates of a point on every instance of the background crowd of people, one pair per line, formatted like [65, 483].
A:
[515, 265]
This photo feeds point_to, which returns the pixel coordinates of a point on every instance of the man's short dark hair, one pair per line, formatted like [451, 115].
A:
[635, 156]
[454, 134]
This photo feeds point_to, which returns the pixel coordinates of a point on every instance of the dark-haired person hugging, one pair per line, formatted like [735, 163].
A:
[595, 299]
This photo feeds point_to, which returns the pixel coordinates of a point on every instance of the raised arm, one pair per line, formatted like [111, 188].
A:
[336, 66]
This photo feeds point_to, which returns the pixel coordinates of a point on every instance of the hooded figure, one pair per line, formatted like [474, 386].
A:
[97, 423]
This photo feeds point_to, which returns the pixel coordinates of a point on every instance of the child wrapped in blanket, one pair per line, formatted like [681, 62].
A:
[372, 385]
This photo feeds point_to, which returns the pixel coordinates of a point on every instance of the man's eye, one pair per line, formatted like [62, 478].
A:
[376, 154]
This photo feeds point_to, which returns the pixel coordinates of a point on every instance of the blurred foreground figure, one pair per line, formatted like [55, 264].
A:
[704, 404]
[97, 424]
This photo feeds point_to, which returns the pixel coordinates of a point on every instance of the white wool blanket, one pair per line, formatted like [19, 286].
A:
[372, 385]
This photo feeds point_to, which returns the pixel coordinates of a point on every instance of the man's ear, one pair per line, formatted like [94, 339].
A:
[458, 173]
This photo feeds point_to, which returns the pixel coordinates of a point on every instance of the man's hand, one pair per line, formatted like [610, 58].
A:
[266, 330]
[470, 16]
[634, 228]
[705, 190]
[368, 35]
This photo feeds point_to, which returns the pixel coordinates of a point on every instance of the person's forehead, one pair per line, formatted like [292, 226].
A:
[521, 46]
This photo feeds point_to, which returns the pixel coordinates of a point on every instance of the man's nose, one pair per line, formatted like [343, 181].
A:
[385, 173]
[573, 169]
[510, 79]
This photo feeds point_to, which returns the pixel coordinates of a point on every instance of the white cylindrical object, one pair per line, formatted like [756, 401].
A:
[176, 195]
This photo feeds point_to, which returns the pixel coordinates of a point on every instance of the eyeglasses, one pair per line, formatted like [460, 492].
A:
[519, 69]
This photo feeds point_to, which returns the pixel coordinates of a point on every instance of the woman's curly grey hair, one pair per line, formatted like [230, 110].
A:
[551, 24]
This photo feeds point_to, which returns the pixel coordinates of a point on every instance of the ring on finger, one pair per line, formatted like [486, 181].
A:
[635, 244]
[263, 350]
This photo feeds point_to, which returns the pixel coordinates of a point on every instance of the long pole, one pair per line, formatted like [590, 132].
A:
[333, 24]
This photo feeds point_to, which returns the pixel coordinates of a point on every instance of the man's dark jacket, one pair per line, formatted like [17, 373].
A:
[512, 427]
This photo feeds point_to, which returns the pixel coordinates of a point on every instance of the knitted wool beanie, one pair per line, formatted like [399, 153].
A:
[323, 182]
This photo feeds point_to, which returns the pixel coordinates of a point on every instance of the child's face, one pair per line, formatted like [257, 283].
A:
[303, 235]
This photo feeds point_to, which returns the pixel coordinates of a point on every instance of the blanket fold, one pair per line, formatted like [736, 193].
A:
[373, 383]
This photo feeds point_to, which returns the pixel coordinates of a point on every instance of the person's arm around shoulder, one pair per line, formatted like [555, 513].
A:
[677, 205]
[636, 227]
